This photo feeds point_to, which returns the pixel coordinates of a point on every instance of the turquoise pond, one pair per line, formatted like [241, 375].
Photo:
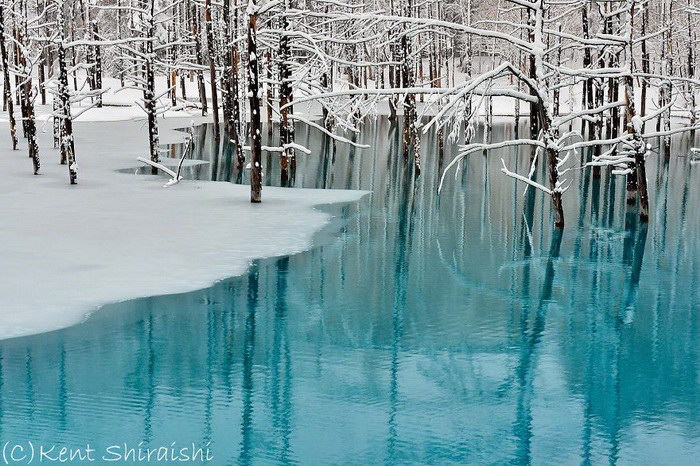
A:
[420, 328]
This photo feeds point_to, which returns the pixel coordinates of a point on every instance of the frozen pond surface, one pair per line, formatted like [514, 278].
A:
[420, 329]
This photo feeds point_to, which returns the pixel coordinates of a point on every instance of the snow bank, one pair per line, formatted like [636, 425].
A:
[66, 250]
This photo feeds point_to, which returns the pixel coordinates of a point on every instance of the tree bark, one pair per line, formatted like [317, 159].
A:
[149, 92]
[254, 102]
[286, 99]
[7, 92]
[67, 145]
[199, 59]
[212, 68]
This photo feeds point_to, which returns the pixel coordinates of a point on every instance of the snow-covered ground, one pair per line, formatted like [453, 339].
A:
[67, 250]
[119, 102]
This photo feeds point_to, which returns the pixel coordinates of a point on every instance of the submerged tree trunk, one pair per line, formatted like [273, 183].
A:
[637, 178]
[549, 132]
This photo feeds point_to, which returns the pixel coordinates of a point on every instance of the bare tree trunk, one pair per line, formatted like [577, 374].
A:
[286, 99]
[226, 61]
[270, 88]
[587, 63]
[27, 93]
[254, 102]
[235, 107]
[410, 136]
[199, 59]
[637, 180]
[628, 81]
[691, 75]
[549, 132]
[393, 72]
[468, 71]
[149, 93]
[534, 106]
[212, 68]
[98, 62]
[645, 64]
[7, 92]
[20, 64]
[669, 72]
[42, 77]
[557, 91]
[67, 144]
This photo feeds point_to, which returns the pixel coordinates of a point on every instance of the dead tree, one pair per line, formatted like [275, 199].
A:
[25, 65]
[211, 47]
[7, 91]
[66, 144]
[149, 97]
[254, 102]
[97, 55]
[194, 18]
[636, 147]
[286, 97]
[410, 118]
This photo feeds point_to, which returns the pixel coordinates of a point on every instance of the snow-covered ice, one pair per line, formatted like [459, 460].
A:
[67, 250]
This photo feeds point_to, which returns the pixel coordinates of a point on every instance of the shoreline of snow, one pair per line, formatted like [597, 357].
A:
[70, 250]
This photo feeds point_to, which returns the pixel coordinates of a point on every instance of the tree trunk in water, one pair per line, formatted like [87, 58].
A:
[254, 102]
[587, 63]
[544, 119]
[286, 99]
[409, 105]
[149, 92]
[645, 65]
[637, 180]
[200, 60]
[270, 89]
[630, 112]
[534, 107]
[212, 68]
[227, 61]
[235, 108]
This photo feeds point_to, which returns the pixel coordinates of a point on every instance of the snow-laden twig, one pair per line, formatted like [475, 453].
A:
[525, 179]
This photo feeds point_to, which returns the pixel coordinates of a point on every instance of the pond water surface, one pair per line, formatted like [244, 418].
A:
[421, 328]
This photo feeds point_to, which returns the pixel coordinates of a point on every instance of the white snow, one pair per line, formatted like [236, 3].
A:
[121, 103]
[67, 250]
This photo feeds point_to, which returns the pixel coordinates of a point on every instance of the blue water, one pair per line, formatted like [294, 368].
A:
[421, 329]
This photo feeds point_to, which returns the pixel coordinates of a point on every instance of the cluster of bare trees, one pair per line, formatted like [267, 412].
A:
[592, 73]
